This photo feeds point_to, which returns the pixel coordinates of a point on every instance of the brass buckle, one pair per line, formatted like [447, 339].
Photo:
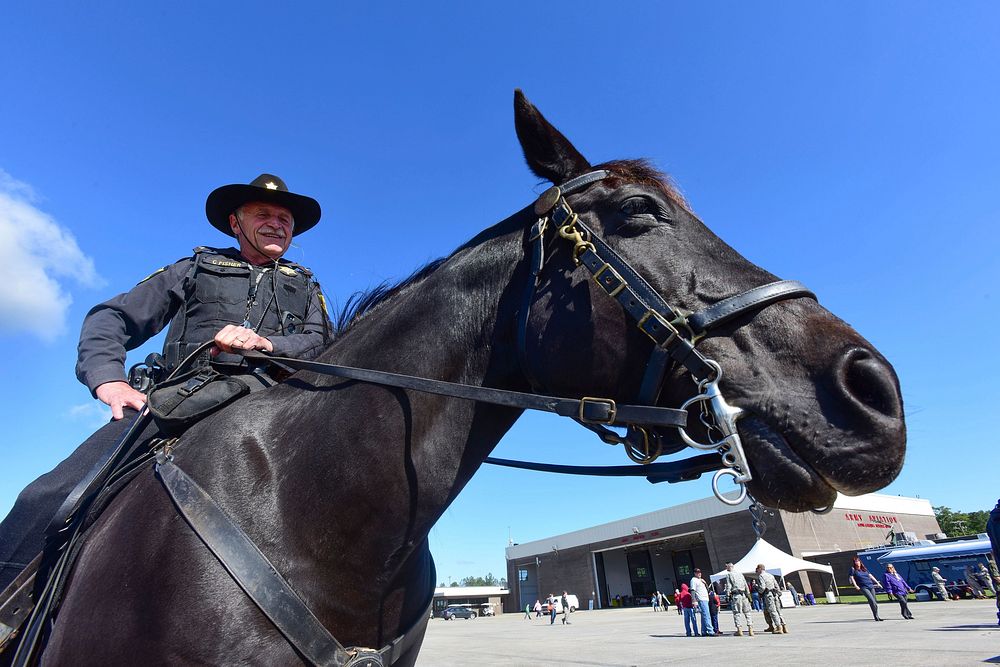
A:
[615, 274]
[681, 322]
[539, 229]
[606, 401]
[666, 325]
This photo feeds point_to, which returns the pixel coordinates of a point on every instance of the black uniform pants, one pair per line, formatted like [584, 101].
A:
[22, 532]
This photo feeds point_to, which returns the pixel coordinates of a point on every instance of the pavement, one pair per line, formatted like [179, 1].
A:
[963, 632]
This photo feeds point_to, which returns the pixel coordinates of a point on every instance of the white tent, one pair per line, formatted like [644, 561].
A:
[775, 560]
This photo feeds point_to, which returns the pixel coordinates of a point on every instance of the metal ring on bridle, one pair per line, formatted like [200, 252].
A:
[644, 454]
[735, 474]
[824, 510]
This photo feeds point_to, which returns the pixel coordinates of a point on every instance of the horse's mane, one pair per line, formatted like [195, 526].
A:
[361, 303]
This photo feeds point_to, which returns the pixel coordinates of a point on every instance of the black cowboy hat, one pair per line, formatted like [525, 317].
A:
[266, 188]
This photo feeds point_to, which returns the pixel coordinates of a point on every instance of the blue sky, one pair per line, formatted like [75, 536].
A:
[852, 146]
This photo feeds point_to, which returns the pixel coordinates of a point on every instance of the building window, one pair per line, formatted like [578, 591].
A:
[640, 573]
[683, 570]
[522, 575]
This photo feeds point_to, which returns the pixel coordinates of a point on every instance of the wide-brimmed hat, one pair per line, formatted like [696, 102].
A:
[266, 188]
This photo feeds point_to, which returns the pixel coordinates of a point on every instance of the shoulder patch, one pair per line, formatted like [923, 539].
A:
[297, 268]
[160, 270]
[287, 270]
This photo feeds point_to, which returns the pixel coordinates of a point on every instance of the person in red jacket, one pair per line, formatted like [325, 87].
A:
[690, 619]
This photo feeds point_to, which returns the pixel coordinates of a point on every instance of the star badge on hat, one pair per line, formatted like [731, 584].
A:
[223, 201]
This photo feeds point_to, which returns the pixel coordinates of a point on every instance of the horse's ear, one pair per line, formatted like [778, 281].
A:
[550, 155]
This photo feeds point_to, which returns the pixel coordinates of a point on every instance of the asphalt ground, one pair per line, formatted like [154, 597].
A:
[963, 632]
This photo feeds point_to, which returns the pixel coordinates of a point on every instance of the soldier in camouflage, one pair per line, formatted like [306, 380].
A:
[738, 593]
[772, 602]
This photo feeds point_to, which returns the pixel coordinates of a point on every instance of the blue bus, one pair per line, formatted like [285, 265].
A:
[954, 559]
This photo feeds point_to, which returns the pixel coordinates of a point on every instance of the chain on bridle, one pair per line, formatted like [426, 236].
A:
[674, 333]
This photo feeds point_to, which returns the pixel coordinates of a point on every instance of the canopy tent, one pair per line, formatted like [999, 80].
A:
[775, 560]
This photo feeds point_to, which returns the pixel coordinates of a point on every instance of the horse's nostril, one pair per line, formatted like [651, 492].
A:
[872, 382]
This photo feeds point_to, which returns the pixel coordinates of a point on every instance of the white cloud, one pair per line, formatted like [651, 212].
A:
[38, 257]
[94, 414]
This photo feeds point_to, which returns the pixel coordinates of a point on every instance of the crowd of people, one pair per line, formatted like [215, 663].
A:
[553, 606]
[698, 601]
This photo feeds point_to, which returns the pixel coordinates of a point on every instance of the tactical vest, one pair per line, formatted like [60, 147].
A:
[223, 288]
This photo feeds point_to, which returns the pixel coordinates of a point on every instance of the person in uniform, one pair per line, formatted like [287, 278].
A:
[738, 592]
[772, 602]
[245, 298]
[940, 582]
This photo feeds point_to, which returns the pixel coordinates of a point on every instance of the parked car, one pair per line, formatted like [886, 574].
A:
[458, 611]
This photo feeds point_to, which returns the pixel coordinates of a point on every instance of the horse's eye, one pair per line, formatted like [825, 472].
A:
[637, 206]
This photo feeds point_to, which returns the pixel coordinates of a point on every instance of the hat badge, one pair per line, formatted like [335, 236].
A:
[271, 185]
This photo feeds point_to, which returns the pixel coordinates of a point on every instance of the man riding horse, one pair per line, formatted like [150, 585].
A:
[242, 299]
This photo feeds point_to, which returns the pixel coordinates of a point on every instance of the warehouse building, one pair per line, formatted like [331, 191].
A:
[624, 561]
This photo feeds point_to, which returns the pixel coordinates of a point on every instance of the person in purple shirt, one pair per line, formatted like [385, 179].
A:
[896, 585]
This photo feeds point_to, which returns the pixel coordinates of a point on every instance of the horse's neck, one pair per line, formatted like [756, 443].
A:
[456, 325]
[383, 463]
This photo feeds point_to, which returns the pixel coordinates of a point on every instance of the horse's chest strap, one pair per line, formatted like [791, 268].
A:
[263, 583]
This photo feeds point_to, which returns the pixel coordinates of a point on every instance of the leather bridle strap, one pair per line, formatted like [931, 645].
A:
[667, 326]
[671, 471]
[753, 299]
[587, 409]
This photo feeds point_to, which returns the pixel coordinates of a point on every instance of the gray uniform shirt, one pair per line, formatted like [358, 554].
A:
[128, 320]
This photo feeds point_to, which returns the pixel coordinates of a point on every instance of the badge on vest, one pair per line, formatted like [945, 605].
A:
[287, 270]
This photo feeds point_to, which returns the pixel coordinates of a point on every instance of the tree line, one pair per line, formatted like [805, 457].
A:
[488, 580]
[954, 523]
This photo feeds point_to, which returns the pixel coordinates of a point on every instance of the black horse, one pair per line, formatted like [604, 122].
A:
[338, 482]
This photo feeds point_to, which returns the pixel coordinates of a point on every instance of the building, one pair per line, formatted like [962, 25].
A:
[476, 596]
[631, 558]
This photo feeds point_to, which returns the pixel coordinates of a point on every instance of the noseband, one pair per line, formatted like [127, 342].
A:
[674, 332]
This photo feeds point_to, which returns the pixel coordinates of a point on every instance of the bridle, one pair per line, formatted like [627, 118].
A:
[674, 333]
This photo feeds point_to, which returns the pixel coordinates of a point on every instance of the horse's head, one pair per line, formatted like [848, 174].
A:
[822, 411]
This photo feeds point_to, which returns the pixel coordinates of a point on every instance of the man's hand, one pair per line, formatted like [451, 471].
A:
[238, 339]
[118, 395]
